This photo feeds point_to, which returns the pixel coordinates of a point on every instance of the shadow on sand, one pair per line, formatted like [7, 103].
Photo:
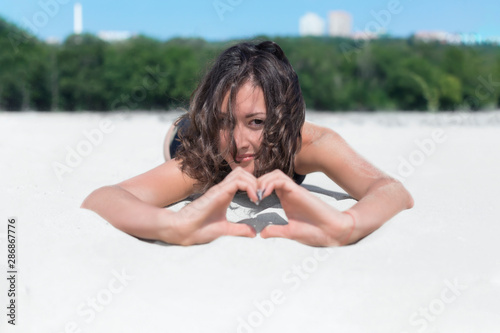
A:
[260, 221]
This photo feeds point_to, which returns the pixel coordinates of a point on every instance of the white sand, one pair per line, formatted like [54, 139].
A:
[434, 268]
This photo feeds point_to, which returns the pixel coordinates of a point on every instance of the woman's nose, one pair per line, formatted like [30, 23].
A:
[240, 138]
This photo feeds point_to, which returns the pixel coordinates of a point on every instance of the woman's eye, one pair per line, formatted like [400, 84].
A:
[258, 121]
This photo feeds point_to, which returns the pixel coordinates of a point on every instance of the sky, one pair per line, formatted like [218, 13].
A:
[227, 19]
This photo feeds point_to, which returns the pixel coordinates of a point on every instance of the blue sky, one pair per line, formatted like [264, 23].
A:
[245, 18]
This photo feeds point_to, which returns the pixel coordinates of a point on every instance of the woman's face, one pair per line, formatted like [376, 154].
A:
[249, 113]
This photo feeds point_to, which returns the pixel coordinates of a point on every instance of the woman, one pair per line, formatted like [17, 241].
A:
[246, 131]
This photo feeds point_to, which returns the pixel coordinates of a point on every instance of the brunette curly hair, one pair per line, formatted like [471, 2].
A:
[266, 66]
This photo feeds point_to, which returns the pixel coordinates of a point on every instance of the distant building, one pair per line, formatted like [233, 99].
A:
[493, 40]
[114, 36]
[77, 19]
[311, 24]
[455, 38]
[339, 23]
[363, 35]
[53, 40]
[432, 36]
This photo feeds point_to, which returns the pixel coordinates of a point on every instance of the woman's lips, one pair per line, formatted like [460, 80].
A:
[244, 158]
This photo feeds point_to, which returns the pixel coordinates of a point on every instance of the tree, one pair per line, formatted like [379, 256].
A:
[81, 84]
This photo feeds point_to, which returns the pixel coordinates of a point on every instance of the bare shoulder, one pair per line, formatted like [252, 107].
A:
[315, 139]
[313, 133]
[162, 185]
[326, 151]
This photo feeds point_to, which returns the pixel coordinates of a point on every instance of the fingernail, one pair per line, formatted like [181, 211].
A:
[259, 194]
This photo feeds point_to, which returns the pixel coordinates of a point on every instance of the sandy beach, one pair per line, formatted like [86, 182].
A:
[433, 268]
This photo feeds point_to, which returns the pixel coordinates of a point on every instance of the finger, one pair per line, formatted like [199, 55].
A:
[271, 185]
[264, 179]
[274, 180]
[239, 229]
[249, 188]
[282, 231]
[241, 174]
[241, 184]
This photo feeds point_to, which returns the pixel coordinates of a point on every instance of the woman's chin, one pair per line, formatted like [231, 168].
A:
[248, 166]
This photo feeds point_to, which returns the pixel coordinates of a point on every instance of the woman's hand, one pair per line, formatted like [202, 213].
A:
[310, 220]
[204, 219]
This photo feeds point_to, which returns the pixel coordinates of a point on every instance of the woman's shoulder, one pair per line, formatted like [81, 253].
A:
[312, 133]
[162, 185]
[314, 139]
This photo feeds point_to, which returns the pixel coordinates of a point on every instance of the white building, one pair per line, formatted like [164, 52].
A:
[433, 36]
[339, 23]
[311, 24]
[53, 40]
[364, 35]
[77, 19]
[114, 36]
[454, 38]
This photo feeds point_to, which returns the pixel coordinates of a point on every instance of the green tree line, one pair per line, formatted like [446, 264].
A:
[141, 73]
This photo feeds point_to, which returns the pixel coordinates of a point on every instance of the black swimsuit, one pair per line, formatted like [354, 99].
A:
[176, 142]
[298, 178]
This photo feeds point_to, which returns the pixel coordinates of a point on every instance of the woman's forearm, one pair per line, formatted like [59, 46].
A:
[129, 214]
[379, 205]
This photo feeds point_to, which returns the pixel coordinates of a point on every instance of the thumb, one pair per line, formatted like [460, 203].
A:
[239, 229]
[276, 231]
